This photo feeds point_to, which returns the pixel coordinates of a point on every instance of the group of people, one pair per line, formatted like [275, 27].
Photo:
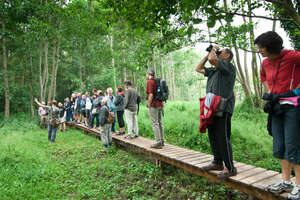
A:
[280, 74]
[99, 107]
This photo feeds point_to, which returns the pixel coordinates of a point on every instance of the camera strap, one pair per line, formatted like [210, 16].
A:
[292, 81]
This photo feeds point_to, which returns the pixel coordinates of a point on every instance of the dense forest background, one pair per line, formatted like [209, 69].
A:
[50, 49]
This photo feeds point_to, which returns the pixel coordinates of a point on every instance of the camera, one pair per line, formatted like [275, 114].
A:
[218, 52]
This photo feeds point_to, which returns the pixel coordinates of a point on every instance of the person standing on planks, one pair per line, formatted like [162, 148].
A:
[220, 82]
[280, 75]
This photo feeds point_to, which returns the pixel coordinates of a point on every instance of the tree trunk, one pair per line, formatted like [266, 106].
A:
[153, 56]
[22, 78]
[45, 78]
[241, 75]
[40, 71]
[274, 26]
[81, 64]
[173, 78]
[4, 61]
[246, 63]
[53, 78]
[124, 63]
[162, 69]
[243, 79]
[255, 69]
[31, 88]
[113, 59]
[56, 68]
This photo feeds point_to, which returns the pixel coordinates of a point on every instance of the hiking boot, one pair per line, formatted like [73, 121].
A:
[157, 146]
[213, 166]
[281, 187]
[225, 174]
[295, 193]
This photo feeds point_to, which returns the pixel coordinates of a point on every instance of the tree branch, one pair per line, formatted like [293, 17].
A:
[254, 16]
[229, 46]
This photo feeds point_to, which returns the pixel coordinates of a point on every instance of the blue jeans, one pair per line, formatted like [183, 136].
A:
[69, 115]
[113, 124]
[52, 132]
[97, 116]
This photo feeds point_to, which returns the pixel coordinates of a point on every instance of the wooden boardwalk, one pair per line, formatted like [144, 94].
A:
[250, 179]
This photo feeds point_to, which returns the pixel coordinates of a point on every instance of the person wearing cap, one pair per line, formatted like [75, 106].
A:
[155, 110]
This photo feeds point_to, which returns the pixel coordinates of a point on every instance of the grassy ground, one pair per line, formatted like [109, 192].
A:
[74, 167]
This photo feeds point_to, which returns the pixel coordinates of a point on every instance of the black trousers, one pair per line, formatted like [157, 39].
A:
[219, 137]
[120, 115]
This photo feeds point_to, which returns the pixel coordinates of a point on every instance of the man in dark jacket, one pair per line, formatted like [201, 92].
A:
[220, 82]
[131, 97]
[119, 108]
[105, 127]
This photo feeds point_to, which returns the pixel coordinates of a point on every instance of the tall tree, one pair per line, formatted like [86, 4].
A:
[4, 58]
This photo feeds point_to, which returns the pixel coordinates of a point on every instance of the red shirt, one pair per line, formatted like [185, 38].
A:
[151, 89]
[280, 81]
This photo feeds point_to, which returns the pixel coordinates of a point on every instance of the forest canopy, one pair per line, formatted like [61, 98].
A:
[50, 49]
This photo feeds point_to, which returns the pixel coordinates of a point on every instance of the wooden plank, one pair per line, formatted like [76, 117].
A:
[238, 164]
[199, 162]
[197, 158]
[194, 155]
[244, 168]
[248, 173]
[178, 152]
[263, 184]
[179, 156]
[202, 164]
[258, 177]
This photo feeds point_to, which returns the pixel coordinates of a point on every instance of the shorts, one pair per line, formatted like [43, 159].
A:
[83, 112]
[77, 112]
[286, 134]
[62, 119]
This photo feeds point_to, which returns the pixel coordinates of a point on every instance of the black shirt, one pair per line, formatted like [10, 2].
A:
[220, 81]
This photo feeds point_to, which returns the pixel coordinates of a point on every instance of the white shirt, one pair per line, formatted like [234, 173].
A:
[88, 104]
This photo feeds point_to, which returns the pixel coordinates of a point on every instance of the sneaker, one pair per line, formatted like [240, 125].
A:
[157, 146]
[225, 174]
[295, 193]
[213, 166]
[281, 187]
[128, 137]
[135, 136]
